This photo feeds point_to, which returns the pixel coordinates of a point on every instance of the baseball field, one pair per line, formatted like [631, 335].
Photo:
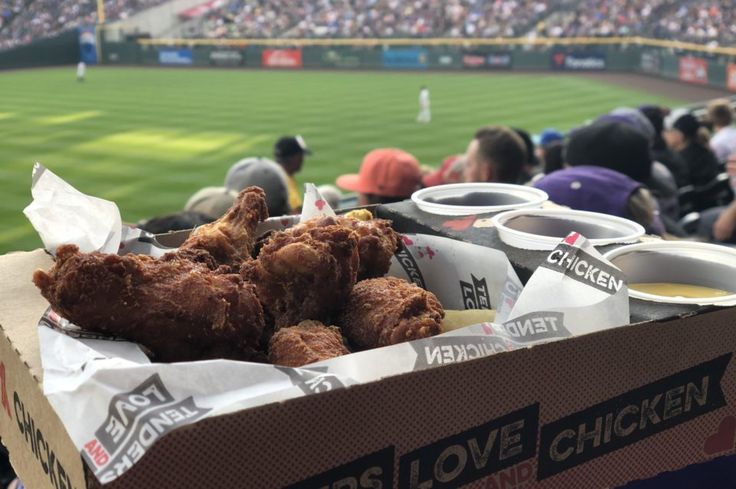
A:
[149, 138]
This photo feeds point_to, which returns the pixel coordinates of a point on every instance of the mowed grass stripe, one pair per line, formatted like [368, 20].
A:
[512, 87]
[148, 138]
[397, 108]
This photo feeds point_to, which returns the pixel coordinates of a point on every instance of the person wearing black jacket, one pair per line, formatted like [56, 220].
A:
[683, 136]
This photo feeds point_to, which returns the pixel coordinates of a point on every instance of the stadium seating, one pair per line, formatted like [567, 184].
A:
[700, 21]
[34, 19]
[366, 18]
[703, 21]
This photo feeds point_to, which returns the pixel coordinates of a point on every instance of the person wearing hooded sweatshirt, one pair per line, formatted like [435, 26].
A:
[660, 152]
[661, 181]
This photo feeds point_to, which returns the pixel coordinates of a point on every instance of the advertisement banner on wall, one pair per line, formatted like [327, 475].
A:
[731, 76]
[488, 61]
[181, 56]
[474, 60]
[578, 61]
[405, 58]
[282, 58]
[693, 70]
[227, 57]
[340, 59]
[499, 60]
[446, 60]
[87, 45]
[650, 62]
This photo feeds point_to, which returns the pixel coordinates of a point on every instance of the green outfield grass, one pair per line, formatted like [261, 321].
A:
[148, 138]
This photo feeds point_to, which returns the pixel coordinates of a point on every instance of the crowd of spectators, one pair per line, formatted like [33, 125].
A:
[373, 18]
[27, 20]
[260, 19]
[9, 9]
[699, 21]
[668, 171]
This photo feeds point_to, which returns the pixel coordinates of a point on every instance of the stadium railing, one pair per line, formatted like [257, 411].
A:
[440, 41]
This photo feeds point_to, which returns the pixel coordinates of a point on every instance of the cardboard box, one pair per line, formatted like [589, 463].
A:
[593, 411]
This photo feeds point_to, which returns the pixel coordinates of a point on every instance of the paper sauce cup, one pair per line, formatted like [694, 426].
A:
[462, 199]
[679, 262]
[542, 229]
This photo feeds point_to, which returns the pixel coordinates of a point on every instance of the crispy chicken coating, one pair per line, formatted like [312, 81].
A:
[307, 342]
[231, 238]
[179, 309]
[377, 242]
[305, 272]
[389, 310]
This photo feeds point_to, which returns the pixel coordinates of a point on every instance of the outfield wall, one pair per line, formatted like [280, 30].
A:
[678, 61]
[583, 58]
[62, 49]
[700, 68]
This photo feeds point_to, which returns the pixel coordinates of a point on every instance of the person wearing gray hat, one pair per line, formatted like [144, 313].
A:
[206, 205]
[264, 173]
[213, 202]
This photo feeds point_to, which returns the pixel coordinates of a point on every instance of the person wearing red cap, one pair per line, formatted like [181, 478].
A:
[386, 175]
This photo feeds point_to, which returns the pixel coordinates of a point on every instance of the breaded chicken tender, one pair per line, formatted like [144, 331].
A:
[389, 310]
[231, 238]
[377, 242]
[305, 272]
[307, 342]
[179, 309]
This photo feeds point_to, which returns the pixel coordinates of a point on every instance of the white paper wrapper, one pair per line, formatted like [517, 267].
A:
[461, 275]
[314, 204]
[62, 214]
[575, 291]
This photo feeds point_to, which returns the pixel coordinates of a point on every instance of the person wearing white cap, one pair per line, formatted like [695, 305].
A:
[264, 173]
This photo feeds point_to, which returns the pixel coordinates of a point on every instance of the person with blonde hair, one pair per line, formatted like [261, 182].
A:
[723, 141]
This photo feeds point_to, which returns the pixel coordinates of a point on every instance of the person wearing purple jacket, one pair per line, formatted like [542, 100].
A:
[605, 163]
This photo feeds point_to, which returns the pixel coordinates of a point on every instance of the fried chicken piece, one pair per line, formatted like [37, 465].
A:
[305, 272]
[377, 242]
[307, 342]
[179, 309]
[231, 238]
[385, 311]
